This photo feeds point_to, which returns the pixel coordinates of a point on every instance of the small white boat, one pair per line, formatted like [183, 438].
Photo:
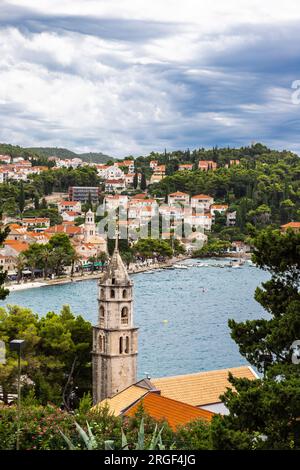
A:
[180, 266]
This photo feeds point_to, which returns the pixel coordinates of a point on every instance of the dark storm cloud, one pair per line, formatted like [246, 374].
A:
[29, 21]
[233, 89]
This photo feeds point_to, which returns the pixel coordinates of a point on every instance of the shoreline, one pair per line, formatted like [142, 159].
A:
[133, 269]
[15, 287]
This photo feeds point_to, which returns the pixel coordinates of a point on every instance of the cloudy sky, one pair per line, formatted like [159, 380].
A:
[130, 76]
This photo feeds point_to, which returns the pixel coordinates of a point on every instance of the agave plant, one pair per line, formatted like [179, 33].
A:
[88, 438]
[90, 441]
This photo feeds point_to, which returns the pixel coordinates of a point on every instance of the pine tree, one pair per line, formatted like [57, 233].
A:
[143, 182]
[21, 199]
[135, 181]
[36, 202]
[264, 413]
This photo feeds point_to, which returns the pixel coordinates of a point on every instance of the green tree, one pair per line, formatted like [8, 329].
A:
[21, 198]
[264, 413]
[56, 359]
[135, 181]
[150, 248]
[143, 182]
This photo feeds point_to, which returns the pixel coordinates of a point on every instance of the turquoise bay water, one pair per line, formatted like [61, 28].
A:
[181, 314]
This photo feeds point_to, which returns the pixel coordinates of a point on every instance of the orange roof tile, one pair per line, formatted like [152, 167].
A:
[17, 245]
[202, 196]
[64, 228]
[202, 388]
[178, 193]
[175, 412]
[219, 206]
[122, 400]
[140, 196]
[291, 225]
[68, 203]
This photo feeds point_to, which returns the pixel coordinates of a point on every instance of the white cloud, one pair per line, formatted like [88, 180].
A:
[71, 76]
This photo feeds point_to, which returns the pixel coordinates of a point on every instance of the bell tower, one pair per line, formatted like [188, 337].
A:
[114, 337]
[89, 226]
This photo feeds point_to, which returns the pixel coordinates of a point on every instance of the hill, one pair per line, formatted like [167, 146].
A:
[94, 157]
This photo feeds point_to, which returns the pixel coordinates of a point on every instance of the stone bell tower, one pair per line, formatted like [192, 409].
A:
[114, 337]
[89, 226]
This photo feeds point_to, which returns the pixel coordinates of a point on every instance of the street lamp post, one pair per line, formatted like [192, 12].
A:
[18, 345]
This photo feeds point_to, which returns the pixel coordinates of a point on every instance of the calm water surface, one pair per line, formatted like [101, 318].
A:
[182, 314]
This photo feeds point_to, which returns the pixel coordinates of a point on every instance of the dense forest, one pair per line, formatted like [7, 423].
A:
[263, 189]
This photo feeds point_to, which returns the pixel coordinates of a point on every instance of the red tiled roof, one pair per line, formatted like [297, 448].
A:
[17, 245]
[173, 411]
[64, 228]
[178, 193]
[291, 225]
[202, 196]
[68, 203]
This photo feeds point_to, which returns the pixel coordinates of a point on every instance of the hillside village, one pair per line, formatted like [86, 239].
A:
[128, 186]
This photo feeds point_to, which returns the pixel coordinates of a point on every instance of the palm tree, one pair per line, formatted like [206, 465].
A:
[46, 258]
[102, 257]
[20, 265]
[75, 258]
[92, 259]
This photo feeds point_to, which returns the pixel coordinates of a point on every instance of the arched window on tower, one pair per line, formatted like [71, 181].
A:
[112, 293]
[101, 315]
[124, 316]
[121, 345]
[101, 343]
[124, 294]
[127, 345]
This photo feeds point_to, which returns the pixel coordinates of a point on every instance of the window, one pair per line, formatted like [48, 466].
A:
[124, 316]
[100, 343]
[101, 316]
[121, 345]
[113, 281]
[127, 345]
[124, 294]
[112, 293]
